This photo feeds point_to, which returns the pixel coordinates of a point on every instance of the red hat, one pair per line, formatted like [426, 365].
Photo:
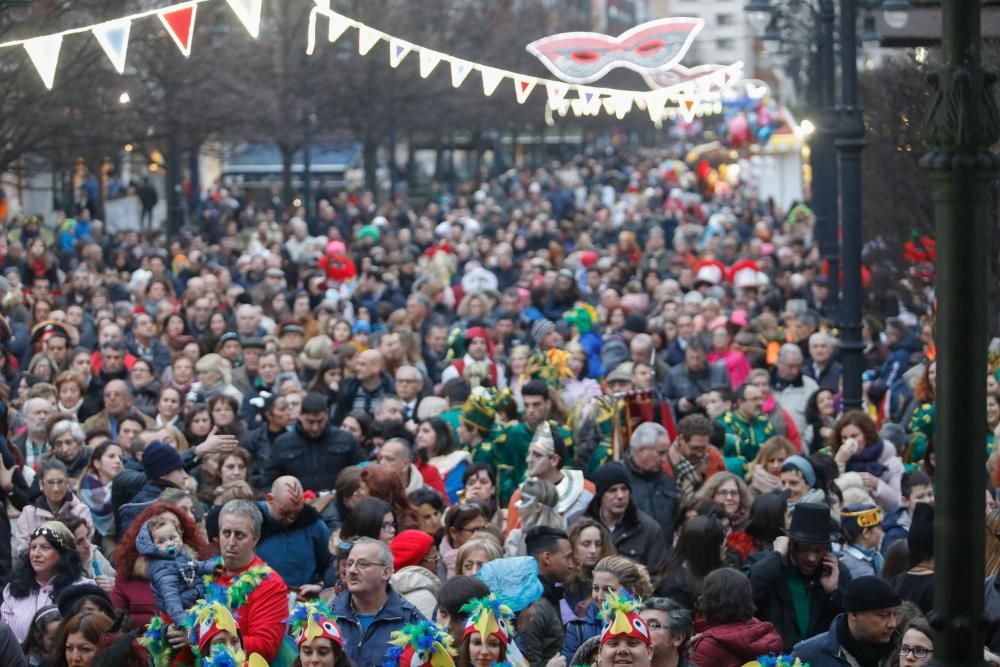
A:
[481, 332]
[745, 274]
[338, 267]
[588, 258]
[709, 271]
[409, 548]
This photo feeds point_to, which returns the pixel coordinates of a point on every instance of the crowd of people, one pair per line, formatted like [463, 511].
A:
[588, 414]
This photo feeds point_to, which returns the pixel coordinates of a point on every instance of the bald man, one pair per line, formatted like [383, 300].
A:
[370, 382]
[293, 538]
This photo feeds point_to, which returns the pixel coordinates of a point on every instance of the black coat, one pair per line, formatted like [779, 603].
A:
[349, 391]
[316, 462]
[656, 495]
[773, 600]
[638, 536]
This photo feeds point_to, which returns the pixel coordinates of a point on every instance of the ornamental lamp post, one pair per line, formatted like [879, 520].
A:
[822, 158]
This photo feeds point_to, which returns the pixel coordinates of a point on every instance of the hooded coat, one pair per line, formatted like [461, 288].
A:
[176, 580]
[418, 586]
[300, 552]
[735, 644]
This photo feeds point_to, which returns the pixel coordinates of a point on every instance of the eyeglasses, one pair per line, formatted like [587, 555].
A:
[360, 564]
[917, 651]
[654, 625]
[477, 529]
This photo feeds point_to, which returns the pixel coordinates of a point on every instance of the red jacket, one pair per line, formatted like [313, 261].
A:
[432, 478]
[735, 644]
[262, 617]
[135, 596]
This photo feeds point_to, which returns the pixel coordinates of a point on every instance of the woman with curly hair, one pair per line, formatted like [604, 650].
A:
[132, 592]
[732, 494]
[612, 574]
[591, 543]
[49, 565]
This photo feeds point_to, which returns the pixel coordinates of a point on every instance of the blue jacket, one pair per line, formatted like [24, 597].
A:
[895, 365]
[580, 630]
[896, 526]
[300, 552]
[367, 649]
[176, 581]
[824, 649]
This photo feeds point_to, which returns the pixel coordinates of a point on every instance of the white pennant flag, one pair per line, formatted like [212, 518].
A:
[248, 12]
[459, 71]
[556, 92]
[367, 38]
[397, 51]
[338, 26]
[428, 61]
[655, 102]
[491, 79]
[113, 38]
[523, 88]
[44, 54]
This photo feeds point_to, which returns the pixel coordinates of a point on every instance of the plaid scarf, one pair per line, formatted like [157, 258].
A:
[96, 495]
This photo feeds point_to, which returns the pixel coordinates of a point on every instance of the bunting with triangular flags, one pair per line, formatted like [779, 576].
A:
[44, 54]
[556, 92]
[179, 22]
[459, 71]
[523, 88]
[248, 12]
[491, 79]
[367, 39]
[113, 38]
[428, 61]
[397, 51]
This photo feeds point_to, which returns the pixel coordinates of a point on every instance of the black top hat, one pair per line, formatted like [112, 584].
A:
[810, 524]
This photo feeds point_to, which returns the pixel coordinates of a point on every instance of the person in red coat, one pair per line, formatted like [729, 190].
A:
[257, 594]
[732, 636]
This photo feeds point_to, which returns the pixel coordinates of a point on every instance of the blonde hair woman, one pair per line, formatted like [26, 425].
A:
[537, 507]
[475, 553]
[214, 377]
[765, 469]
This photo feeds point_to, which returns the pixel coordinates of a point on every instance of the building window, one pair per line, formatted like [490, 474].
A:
[724, 19]
[724, 43]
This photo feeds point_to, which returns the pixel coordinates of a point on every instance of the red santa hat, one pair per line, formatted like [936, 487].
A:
[709, 271]
[745, 274]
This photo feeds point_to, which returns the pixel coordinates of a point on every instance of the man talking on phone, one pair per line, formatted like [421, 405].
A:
[799, 587]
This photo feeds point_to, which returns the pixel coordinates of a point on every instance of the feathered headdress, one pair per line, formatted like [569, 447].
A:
[621, 613]
[583, 316]
[542, 367]
[777, 661]
[311, 620]
[489, 616]
[208, 617]
[421, 644]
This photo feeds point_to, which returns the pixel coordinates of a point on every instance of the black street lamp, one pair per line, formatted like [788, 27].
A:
[961, 124]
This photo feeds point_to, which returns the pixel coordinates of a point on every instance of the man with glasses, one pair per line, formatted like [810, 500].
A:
[746, 429]
[865, 634]
[670, 626]
[370, 610]
[409, 384]
[799, 586]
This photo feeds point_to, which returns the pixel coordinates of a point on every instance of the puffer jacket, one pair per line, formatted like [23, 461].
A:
[300, 552]
[176, 580]
[735, 644]
[418, 586]
[580, 630]
[133, 594]
[38, 512]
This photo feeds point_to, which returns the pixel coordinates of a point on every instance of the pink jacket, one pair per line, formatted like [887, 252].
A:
[38, 512]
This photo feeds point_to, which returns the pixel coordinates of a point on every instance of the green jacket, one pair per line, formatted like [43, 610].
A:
[507, 452]
[744, 439]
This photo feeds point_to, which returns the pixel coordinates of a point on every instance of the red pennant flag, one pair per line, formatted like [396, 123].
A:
[179, 22]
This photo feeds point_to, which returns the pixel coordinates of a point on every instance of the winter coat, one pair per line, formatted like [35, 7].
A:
[824, 650]
[637, 536]
[38, 512]
[300, 552]
[900, 354]
[316, 462]
[543, 636]
[735, 644]
[895, 525]
[144, 399]
[580, 630]
[794, 395]
[260, 444]
[681, 383]
[349, 391]
[773, 599]
[176, 580]
[655, 494]
[418, 586]
[366, 648]
[157, 354]
[146, 496]
[826, 379]
[134, 594]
